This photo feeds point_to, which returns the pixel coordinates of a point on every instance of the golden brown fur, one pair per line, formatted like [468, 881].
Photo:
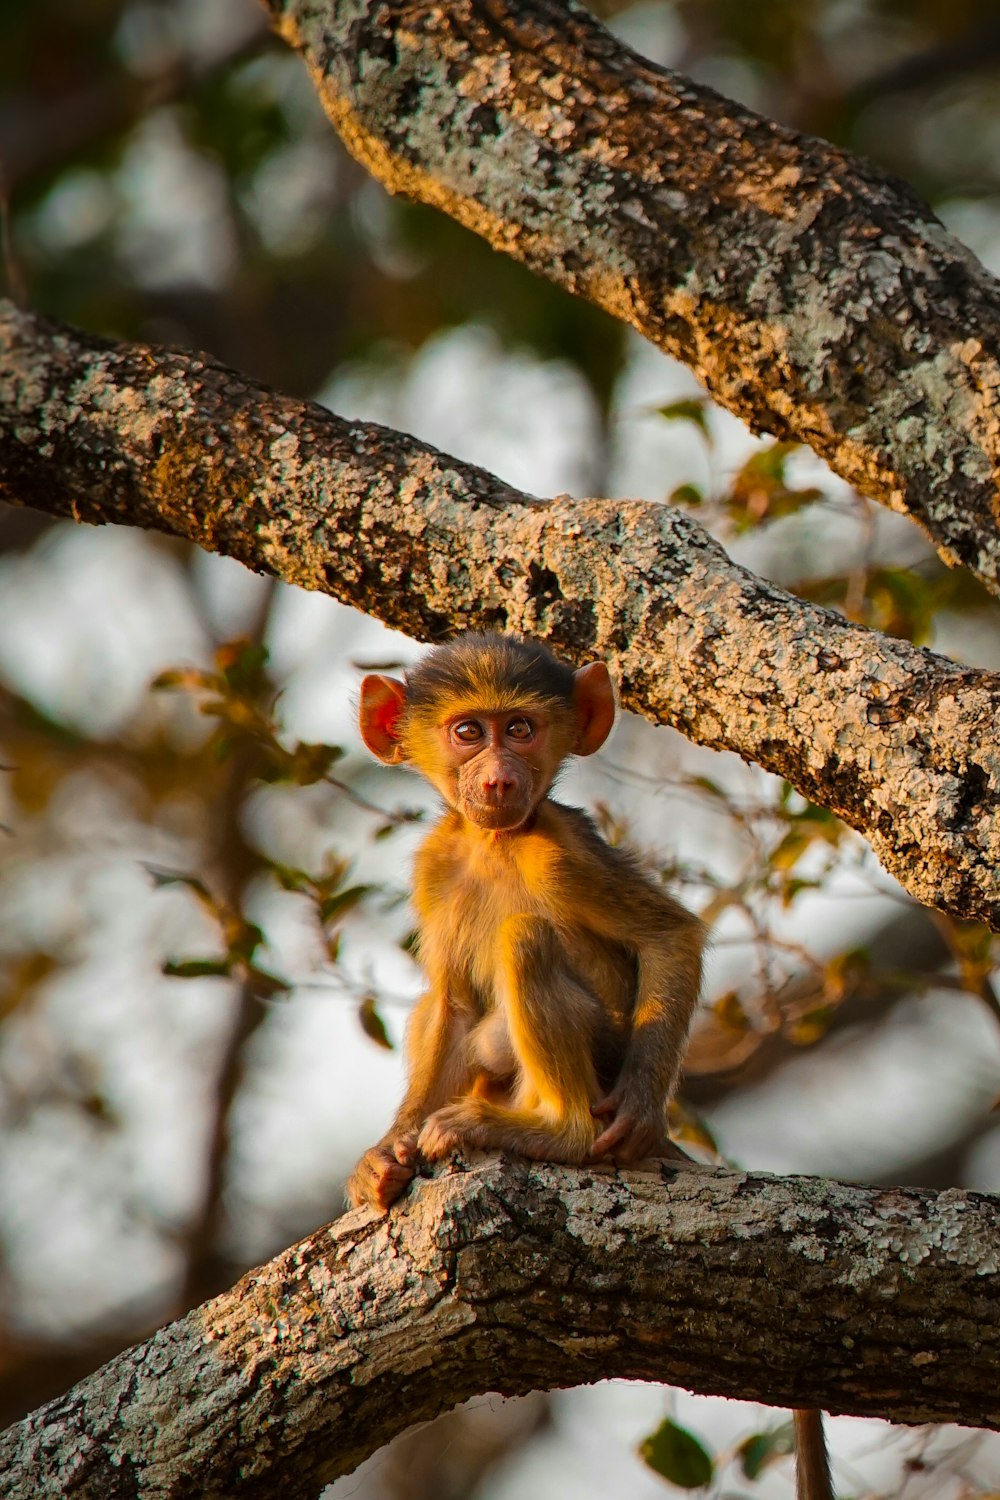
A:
[561, 979]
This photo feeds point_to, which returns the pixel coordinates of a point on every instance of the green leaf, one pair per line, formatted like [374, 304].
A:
[162, 878]
[372, 1024]
[197, 968]
[291, 879]
[687, 494]
[242, 663]
[763, 1448]
[390, 665]
[691, 409]
[677, 1455]
[769, 462]
[245, 941]
[266, 985]
[199, 890]
[342, 901]
[844, 972]
[758, 491]
[807, 1029]
[794, 886]
[790, 850]
[278, 768]
[310, 763]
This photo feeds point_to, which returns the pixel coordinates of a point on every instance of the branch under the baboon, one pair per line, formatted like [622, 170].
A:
[515, 1276]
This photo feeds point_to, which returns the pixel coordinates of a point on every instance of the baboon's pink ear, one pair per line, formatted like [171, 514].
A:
[380, 714]
[594, 701]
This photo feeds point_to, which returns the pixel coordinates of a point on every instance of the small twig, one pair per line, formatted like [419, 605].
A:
[408, 815]
[13, 274]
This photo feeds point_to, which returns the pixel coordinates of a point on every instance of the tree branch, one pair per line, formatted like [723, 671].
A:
[900, 742]
[515, 1276]
[814, 295]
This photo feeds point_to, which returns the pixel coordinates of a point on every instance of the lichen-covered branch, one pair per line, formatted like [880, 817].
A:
[902, 743]
[815, 296]
[516, 1276]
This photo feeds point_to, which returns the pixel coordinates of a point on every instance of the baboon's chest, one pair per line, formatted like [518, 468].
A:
[479, 910]
[482, 907]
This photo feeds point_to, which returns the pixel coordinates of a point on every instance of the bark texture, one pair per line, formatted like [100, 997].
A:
[902, 743]
[514, 1276]
[815, 296]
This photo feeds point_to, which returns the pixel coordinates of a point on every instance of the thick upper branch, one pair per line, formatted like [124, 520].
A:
[813, 295]
[902, 743]
[521, 1276]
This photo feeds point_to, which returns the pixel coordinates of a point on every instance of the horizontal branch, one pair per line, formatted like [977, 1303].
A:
[900, 742]
[815, 296]
[515, 1276]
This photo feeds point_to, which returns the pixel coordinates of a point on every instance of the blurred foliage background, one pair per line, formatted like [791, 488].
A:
[204, 966]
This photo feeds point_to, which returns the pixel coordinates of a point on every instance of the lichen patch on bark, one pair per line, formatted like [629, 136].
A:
[524, 1275]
